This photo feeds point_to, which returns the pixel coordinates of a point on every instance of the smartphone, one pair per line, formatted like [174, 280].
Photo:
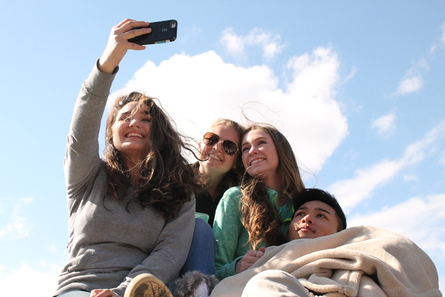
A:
[161, 32]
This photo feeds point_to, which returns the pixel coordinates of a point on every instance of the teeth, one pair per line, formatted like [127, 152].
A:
[214, 157]
[256, 161]
[134, 135]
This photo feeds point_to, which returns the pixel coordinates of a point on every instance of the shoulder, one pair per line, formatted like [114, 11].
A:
[231, 198]
[232, 193]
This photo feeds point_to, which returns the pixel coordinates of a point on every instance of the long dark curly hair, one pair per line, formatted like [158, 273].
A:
[259, 217]
[166, 180]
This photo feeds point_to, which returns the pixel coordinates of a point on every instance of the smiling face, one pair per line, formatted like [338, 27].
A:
[259, 155]
[215, 160]
[131, 131]
[313, 219]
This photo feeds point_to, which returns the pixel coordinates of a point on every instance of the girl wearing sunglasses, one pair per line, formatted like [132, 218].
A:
[256, 214]
[220, 166]
[218, 169]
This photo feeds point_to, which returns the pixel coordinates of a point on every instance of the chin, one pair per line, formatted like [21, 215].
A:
[307, 235]
[254, 173]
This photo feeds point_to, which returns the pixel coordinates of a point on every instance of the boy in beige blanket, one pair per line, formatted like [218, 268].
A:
[359, 261]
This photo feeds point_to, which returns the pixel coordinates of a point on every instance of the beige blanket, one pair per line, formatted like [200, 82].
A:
[359, 261]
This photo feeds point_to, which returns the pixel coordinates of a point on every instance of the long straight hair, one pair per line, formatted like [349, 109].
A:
[259, 217]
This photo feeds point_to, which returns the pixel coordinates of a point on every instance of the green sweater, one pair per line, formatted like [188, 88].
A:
[230, 234]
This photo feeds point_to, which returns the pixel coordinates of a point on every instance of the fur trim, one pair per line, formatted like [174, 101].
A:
[187, 285]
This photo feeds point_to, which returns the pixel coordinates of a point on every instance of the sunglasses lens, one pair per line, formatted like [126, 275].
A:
[210, 138]
[230, 147]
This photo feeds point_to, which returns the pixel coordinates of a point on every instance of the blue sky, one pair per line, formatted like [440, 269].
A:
[356, 86]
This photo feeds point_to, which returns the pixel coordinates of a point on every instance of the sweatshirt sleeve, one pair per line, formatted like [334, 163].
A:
[227, 229]
[82, 157]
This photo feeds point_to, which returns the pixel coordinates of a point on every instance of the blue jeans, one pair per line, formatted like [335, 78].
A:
[201, 256]
[75, 294]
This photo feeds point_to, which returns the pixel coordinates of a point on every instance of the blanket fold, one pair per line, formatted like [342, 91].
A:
[359, 261]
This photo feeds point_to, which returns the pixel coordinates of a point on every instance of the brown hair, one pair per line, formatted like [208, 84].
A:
[166, 180]
[233, 176]
[259, 217]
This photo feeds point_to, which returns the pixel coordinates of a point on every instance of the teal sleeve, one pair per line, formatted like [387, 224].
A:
[229, 235]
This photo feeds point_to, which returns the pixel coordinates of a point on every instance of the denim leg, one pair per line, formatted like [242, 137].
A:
[201, 256]
[75, 294]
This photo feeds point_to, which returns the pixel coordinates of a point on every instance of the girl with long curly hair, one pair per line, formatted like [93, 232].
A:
[132, 213]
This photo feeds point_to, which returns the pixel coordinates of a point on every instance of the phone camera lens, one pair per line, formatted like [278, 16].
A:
[173, 24]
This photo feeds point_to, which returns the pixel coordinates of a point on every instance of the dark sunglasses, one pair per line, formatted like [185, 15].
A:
[229, 147]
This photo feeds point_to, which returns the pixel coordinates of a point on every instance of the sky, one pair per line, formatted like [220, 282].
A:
[357, 87]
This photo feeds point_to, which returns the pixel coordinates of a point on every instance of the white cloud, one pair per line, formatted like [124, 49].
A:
[236, 44]
[233, 43]
[351, 192]
[419, 219]
[385, 123]
[417, 151]
[15, 229]
[195, 90]
[26, 281]
[13, 224]
[410, 85]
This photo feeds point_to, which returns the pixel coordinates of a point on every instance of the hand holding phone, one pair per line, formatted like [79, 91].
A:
[161, 32]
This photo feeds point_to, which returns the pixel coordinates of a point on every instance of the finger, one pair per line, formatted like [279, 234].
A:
[260, 252]
[251, 252]
[136, 32]
[136, 47]
[122, 23]
[133, 24]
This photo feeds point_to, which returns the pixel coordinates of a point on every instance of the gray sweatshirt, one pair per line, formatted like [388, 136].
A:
[108, 246]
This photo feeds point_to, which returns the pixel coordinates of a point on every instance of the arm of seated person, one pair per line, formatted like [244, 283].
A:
[249, 259]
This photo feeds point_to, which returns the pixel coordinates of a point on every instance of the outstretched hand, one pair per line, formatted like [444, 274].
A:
[249, 259]
[118, 43]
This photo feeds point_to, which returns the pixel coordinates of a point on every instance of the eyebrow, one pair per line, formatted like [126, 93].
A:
[129, 112]
[317, 208]
[256, 139]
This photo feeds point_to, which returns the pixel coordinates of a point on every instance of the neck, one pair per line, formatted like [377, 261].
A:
[212, 181]
[134, 170]
[276, 185]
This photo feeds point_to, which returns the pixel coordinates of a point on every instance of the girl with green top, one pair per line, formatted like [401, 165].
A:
[257, 214]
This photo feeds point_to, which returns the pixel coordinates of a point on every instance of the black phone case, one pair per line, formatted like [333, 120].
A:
[161, 32]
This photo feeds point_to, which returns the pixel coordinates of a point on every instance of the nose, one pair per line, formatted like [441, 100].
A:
[218, 146]
[134, 122]
[307, 219]
[253, 150]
